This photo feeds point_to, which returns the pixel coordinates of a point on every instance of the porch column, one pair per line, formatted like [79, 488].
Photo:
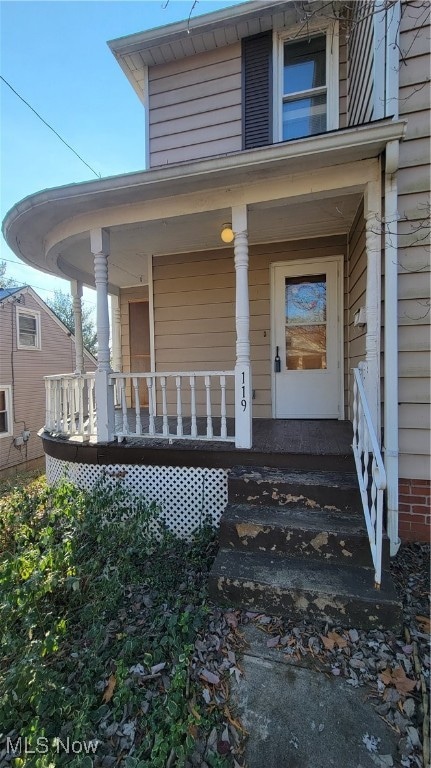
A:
[116, 333]
[99, 239]
[243, 389]
[76, 291]
[373, 224]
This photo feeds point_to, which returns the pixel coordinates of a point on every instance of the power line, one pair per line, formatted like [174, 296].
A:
[49, 126]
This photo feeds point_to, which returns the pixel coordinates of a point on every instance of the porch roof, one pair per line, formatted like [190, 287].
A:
[47, 229]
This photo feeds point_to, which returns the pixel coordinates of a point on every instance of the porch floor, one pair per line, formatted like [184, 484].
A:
[301, 443]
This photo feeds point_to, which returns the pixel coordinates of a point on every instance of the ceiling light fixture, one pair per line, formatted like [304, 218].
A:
[226, 233]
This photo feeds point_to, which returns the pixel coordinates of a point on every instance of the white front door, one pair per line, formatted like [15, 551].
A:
[307, 339]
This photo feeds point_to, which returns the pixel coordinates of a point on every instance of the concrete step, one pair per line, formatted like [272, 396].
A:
[266, 486]
[297, 588]
[295, 531]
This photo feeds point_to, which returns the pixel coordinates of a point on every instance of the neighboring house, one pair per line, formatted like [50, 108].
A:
[33, 343]
[268, 270]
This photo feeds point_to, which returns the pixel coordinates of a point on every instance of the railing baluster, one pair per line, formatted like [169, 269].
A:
[151, 424]
[91, 421]
[58, 401]
[80, 385]
[179, 407]
[194, 428]
[72, 409]
[125, 428]
[65, 389]
[138, 423]
[210, 432]
[164, 407]
[48, 399]
[223, 424]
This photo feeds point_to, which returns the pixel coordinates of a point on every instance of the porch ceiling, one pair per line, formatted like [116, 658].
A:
[131, 244]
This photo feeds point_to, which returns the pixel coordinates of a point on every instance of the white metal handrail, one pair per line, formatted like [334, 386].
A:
[70, 405]
[371, 472]
[189, 419]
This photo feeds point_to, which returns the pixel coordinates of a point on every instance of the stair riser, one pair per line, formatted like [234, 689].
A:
[281, 494]
[303, 604]
[327, 546]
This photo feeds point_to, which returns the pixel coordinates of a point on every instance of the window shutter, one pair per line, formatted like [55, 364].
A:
[257, 90]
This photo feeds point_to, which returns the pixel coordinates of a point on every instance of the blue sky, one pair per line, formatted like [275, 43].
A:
[54, 54]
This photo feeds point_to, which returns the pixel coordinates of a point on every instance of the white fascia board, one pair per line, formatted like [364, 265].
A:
[199, 24]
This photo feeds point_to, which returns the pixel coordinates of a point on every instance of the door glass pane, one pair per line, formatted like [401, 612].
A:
[305, 322]
[304, 117]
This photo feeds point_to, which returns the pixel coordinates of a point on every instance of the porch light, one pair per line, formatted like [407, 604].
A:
[226, 233]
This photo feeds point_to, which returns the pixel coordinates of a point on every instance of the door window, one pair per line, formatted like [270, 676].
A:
[305, 322]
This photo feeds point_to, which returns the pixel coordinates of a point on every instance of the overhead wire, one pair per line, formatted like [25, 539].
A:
[49, 126]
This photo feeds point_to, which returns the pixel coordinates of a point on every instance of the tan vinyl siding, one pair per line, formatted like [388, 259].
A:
[413, 243]
[195, 106]
[356, 279]
[24, 371]
[194, 310]
[360, 66]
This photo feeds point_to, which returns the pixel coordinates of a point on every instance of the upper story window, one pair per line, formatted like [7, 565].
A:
[5, 411]
[306, 96]
[28, 329]
[304, 88]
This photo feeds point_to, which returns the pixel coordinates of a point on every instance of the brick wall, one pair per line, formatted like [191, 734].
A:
[414, 509]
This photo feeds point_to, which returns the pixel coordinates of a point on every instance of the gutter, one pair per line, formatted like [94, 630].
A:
[382, 132]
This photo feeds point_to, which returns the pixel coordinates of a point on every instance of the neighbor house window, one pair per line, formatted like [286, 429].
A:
[307, 101]
[6, 420]
[28, 329]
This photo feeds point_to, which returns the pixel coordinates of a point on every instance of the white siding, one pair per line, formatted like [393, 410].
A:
[360, 64]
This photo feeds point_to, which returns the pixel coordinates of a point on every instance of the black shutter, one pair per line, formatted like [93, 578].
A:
[257, 90]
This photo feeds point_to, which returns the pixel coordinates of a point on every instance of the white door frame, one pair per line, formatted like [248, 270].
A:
[340, 321]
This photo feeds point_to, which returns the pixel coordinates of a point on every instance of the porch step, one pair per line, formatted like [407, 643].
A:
[298, 588]
[337, 491]
[295, 531]
[294, 542]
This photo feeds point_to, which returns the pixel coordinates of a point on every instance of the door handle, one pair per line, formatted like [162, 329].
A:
[277, 362]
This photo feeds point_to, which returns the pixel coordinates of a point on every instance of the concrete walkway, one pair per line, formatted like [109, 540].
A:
[297, 717]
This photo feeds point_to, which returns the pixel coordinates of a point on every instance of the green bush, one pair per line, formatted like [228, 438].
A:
[74, 570]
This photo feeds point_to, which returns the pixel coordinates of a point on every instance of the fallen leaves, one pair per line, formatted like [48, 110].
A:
[110, 688]
[424, 623]
[398, 678]
[333, 639]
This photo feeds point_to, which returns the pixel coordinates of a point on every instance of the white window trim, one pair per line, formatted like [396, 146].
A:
[34, 313]
[280, 37]
[7, 389]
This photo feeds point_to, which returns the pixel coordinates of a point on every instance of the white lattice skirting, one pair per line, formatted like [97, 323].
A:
[187, 496]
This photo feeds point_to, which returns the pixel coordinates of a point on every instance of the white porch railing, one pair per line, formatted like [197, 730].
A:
[371, 472]
[71, 405]
[190, 396]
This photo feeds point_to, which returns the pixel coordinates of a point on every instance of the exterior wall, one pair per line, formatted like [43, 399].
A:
[195, 106]
[414, 239]
[194, 310]
[24, 371]
[355, 290]
[415, 509]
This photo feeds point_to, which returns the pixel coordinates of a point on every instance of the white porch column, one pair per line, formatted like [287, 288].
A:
[116, 333]
[243, 387]
[373, 237]
[76, 291]
[99, 239]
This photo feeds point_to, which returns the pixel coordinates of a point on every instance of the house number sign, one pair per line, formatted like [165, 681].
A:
[244, 400]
